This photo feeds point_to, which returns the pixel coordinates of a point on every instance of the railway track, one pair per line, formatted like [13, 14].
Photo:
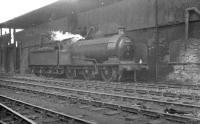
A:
[85, 111]
[188, 96]
[158, 85]
[190, 92]
[9, 116]
[117, 102]
[18, 112]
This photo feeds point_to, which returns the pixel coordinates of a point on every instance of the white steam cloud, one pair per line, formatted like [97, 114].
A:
[59, 36]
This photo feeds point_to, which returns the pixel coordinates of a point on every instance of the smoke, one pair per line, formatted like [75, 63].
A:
[59, 36]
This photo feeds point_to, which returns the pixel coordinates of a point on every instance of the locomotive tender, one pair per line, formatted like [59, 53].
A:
[105, 58]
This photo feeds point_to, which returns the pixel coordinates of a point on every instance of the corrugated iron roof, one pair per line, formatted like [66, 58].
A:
[59, 9]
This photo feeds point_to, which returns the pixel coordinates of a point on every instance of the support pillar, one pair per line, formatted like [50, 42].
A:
[4, 58]
[1, 33]
[1, 53]
[156, 41]
[9, 35]
[11, 53]
[15, 51]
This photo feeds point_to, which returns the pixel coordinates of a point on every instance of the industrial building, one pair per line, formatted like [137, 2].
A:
[162, 38]
[155, 23]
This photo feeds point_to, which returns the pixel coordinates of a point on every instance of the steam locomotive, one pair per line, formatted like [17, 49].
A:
[109, 59]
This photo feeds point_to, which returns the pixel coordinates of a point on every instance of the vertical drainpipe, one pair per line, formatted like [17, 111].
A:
[156, 40]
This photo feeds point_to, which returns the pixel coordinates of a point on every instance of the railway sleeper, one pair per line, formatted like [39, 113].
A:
[162, 87]
[33, 116]
[168, 94]
[142, 91]
[84, 101]
[25, 112]
[157, 93]
[175, 86]
[187, 96]
[180, 119]
[112, 106]
[150, 113]
[131, 110]
[96, 103]
[118, 89]
[129, 90]
[197, 97]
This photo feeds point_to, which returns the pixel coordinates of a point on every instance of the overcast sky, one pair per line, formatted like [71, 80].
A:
[10, 9]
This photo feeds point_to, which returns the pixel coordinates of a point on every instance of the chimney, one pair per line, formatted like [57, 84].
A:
[121, 30]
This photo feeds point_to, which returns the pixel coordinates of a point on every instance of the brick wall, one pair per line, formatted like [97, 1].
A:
[187, 58]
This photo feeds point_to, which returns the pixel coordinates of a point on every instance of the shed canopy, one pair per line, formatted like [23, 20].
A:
[56, 10]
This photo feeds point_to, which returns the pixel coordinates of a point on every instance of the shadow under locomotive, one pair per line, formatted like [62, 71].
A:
[108, 58]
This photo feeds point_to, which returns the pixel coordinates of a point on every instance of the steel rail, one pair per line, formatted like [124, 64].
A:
[22, 119]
